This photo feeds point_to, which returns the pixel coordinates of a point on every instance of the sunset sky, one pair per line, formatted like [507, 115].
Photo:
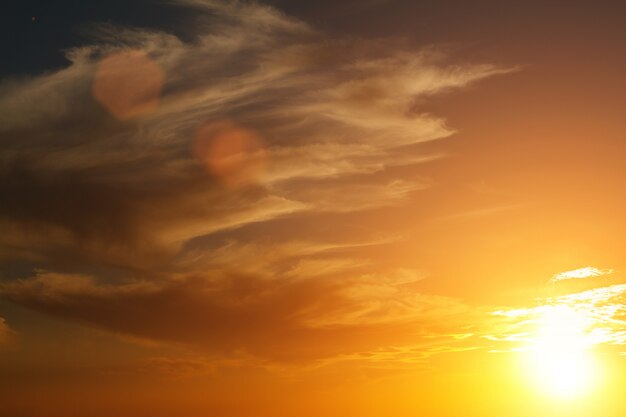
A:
[291, 208]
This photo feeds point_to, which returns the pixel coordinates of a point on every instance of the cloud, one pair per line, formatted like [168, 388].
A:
[198, 247]
[333, 111]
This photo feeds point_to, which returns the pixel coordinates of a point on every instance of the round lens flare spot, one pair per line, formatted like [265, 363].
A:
[128, 84]
[559, 356]
[234, 154]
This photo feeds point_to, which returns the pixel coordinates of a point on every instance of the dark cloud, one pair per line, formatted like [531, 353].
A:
[297, 318]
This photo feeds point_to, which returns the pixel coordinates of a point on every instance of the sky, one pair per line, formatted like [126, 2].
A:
[290, 208]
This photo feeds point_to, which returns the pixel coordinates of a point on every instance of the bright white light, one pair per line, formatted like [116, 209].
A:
[559, 353]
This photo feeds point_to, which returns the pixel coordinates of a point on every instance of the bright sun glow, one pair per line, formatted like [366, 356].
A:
[560, 359]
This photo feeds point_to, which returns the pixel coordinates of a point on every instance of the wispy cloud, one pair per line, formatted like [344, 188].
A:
[581, 273]
[326, 109]
[118, 179]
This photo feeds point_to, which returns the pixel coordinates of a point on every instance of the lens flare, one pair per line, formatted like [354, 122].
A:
[128, 84]
[232, 153]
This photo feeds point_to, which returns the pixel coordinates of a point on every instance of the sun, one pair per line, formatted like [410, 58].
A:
[561, 362]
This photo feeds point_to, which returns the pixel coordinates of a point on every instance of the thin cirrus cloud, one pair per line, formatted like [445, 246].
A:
[93, 177]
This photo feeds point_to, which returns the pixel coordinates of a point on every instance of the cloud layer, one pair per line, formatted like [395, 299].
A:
[111, 178]
[305, 317]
